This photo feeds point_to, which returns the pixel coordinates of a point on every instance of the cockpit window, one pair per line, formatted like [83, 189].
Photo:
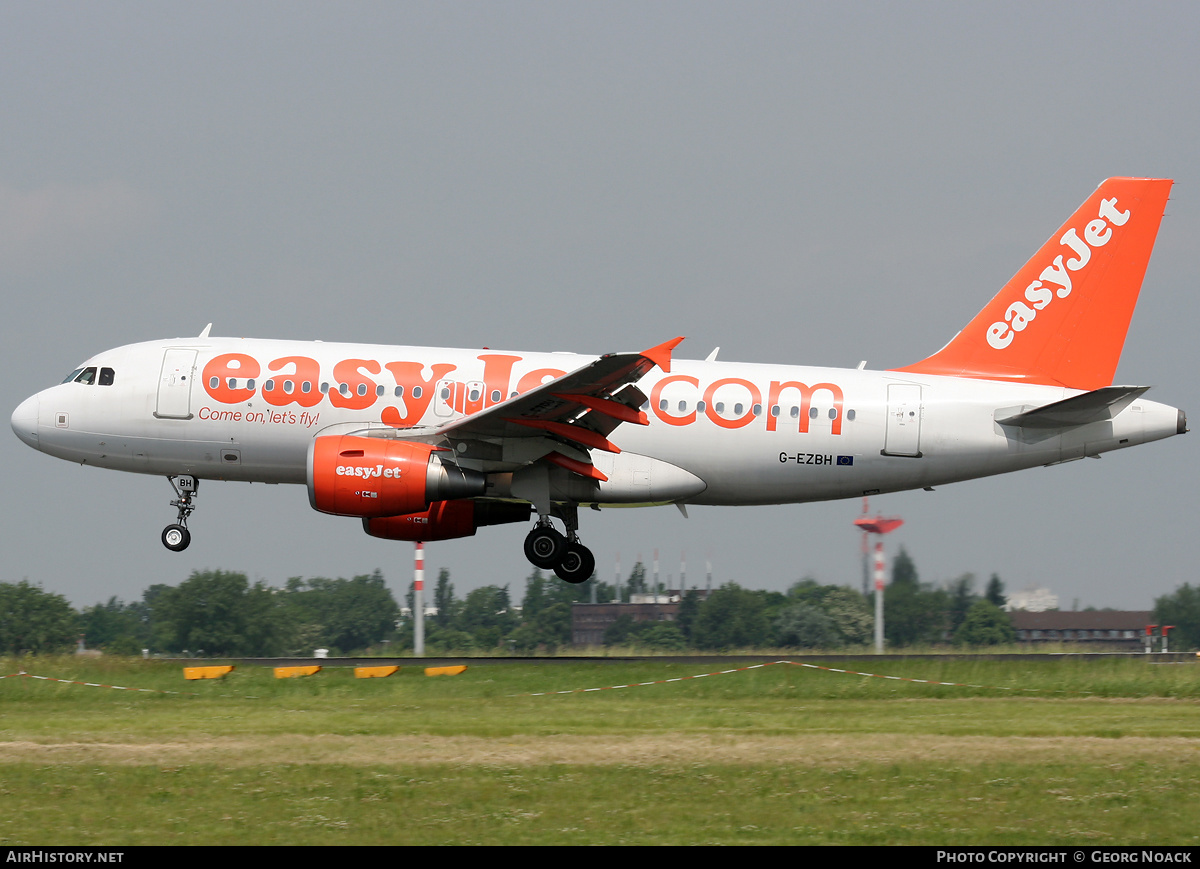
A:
[87, 375]
[72, 375]
[107, 375]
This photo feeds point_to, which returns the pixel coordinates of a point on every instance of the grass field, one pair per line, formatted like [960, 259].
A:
[1106, 752]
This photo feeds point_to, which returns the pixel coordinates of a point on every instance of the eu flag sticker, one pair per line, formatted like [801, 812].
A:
[845, 460]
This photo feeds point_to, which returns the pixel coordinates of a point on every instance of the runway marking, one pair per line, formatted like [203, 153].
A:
[811, 667]
[94, 684]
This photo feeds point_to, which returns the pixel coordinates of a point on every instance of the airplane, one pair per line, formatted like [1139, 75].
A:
[425, 444]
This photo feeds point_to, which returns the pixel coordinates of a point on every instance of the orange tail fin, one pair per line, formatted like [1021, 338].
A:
[1062, 318]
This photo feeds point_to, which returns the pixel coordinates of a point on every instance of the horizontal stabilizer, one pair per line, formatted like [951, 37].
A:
[1095, 406]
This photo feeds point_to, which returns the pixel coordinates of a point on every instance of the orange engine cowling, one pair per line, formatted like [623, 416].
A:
[445, 520]
[350, 475]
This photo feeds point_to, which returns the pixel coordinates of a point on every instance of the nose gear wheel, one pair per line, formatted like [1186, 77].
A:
[176, 537]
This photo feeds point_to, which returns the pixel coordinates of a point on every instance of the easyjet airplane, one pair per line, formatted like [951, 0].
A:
[427, 444]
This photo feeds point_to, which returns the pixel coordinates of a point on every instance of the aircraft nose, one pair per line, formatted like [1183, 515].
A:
[25, 421]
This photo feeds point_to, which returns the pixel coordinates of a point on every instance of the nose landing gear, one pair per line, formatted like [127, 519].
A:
[176, 537]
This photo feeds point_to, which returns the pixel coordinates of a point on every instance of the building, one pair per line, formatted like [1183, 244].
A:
[589, 621]
[1108, 630]
[1035, 600]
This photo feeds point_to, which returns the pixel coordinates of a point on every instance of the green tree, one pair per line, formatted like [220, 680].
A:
[619, 632]
[851, 614]
[116, 627]
[1181, 608]
[537, 595]
[961, 598]
[985, 625]
[995, 591]
[689, 609]
[35, 621]
[344, 614]
[806, 626]
[637, 579]
[487, 615]
[549, 629]
[443, 599]
[217, 612]
[662, 637]
[904, 572]
[732, 617]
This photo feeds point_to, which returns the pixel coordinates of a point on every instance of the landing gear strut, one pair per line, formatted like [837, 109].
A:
[548, 549]
[176, 537]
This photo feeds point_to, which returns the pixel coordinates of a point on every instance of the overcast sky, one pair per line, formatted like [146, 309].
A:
[797, 183]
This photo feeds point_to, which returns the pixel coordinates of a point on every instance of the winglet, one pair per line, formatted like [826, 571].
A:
[661, 355]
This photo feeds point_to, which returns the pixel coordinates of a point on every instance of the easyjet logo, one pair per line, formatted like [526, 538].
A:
[743, 402]
[358, 384]
[1055, 279]
[367, 473]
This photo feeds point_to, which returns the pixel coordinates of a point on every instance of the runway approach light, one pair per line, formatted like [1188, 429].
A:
[295, 672]
[375, 672]
[446, 671]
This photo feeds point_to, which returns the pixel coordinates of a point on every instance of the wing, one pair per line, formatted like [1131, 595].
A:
[560, 421]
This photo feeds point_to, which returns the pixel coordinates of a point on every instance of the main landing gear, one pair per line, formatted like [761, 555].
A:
[176, 537]
[549, 549]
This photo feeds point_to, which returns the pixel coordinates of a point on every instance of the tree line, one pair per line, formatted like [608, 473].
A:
[221, 613]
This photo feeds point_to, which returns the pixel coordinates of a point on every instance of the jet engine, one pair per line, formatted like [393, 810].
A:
[445, 520]
[349, 475]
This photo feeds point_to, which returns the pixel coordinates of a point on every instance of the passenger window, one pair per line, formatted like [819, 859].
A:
[269, 386]
[416, 392]
[306, 387]
[399, 392]
[795, 413]
[850, 415]
[812, 413]
[833, 413]
[107, 375]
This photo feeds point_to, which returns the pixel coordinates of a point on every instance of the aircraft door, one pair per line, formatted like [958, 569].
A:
[903, 437]
[175, 384]
[445, 397]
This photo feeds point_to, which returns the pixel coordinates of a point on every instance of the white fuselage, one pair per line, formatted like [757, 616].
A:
[244, 409]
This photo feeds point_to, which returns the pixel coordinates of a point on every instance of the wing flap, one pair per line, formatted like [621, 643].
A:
[579, 409]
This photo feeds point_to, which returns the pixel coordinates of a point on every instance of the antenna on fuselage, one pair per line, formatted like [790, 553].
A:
[204, 331]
